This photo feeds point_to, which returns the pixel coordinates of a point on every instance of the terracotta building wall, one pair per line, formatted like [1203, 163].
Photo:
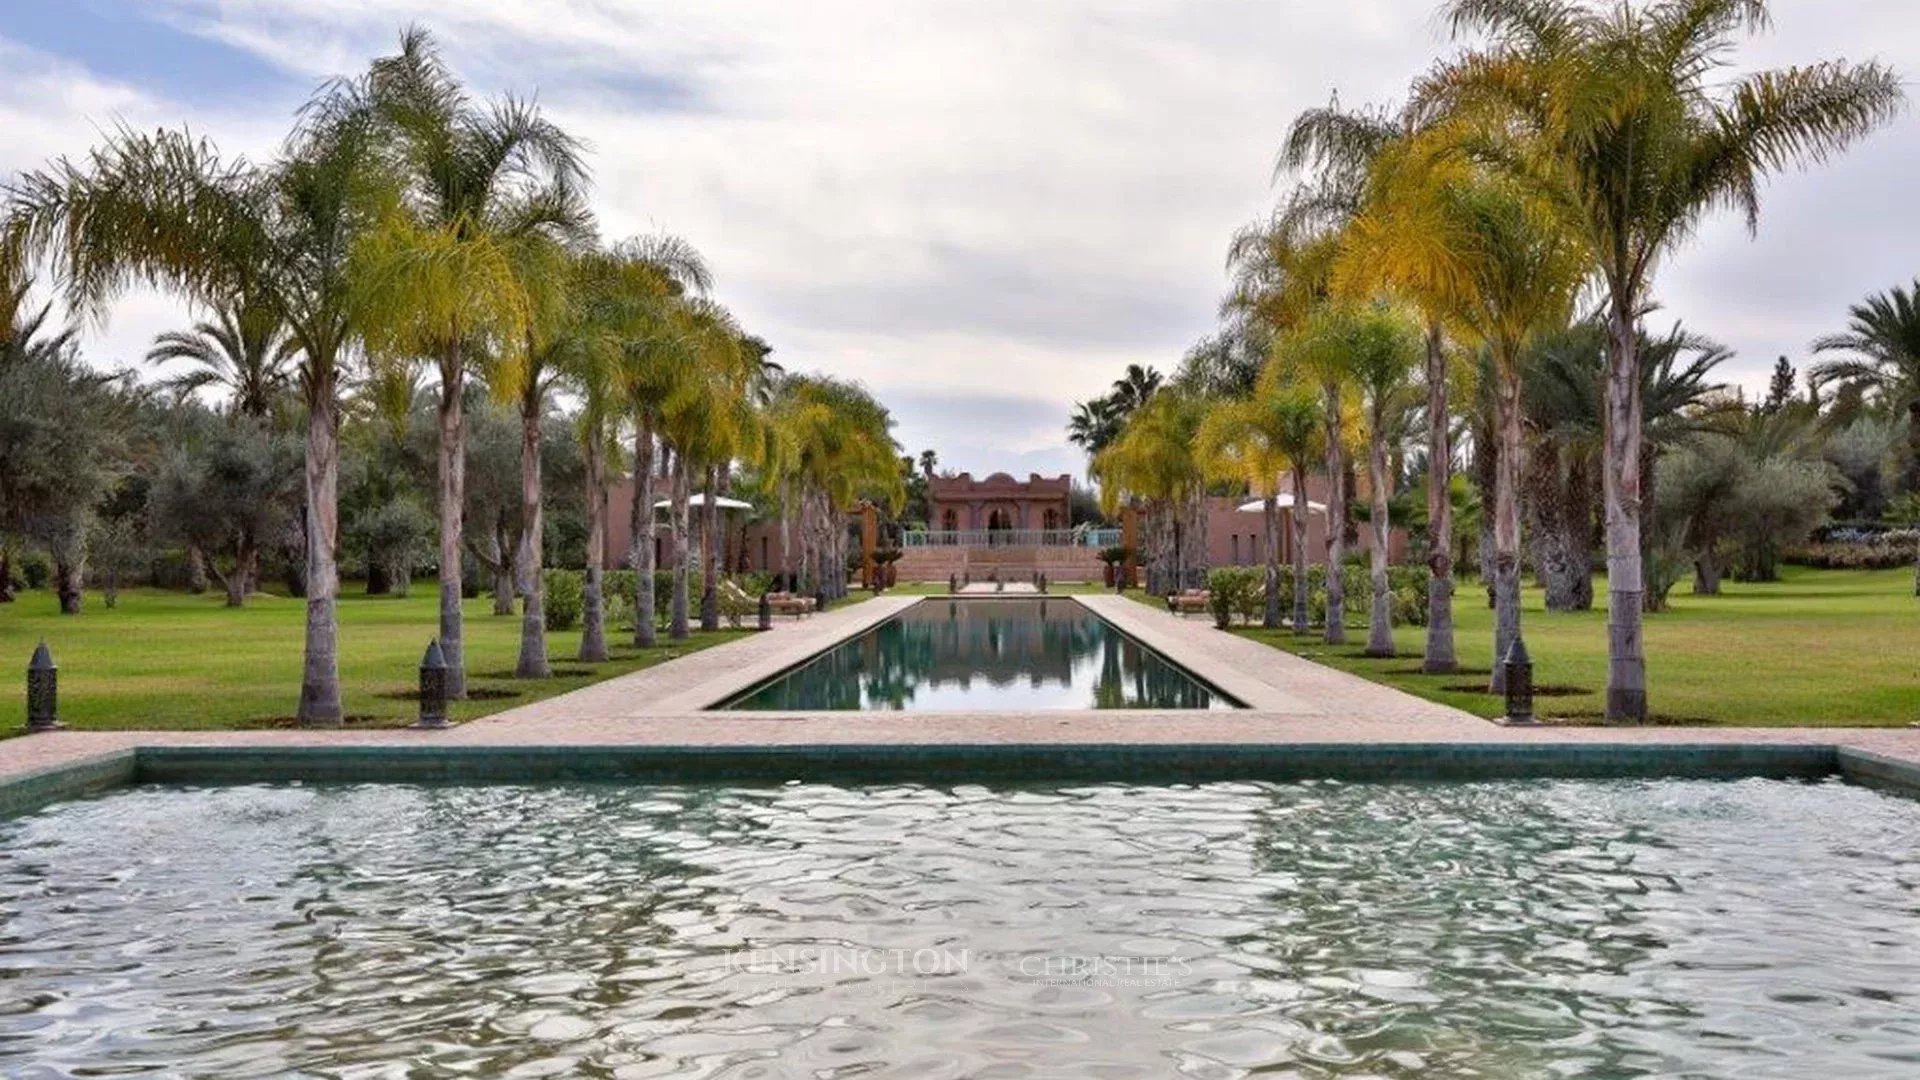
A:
[1237, 538]
[756, 543]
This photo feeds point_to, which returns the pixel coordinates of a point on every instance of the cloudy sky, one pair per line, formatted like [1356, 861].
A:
[982, 209]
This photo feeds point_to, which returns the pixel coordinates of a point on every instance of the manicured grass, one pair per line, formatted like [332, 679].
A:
[1825, 648]
[173, 660]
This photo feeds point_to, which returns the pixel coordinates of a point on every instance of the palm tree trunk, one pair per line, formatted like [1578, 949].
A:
[786, 536]
[533, 614]
[645, 632]
[1380, 613]
[506, 578]
[1336, 629]
[677, 628]
[710, 557]
[1506, 516]
[320, 673]
[1626, 582]
[453, 500]
[593, 609]
[1302, 589]
[1270, 514]
[1440, 655]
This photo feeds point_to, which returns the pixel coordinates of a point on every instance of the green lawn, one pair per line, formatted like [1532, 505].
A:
[172, 660]
[1818, 648]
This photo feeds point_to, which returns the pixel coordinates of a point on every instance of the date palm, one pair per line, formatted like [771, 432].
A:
[164, 208]
[1883, 338]
[483, 179]
[244, 349]
[1627, 120]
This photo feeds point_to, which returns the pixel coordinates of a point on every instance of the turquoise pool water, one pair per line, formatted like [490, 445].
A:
[1499, 930]
[988, 654]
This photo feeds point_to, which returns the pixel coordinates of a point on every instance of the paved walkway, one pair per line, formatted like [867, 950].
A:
[1289, 700]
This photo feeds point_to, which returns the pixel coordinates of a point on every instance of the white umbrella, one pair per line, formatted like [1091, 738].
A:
[1286, 503]
[699, 498]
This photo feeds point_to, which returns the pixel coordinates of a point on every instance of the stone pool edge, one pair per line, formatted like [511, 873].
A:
[952, 764]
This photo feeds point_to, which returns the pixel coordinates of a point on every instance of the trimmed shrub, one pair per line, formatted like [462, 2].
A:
[1235, 592]
[565, 598]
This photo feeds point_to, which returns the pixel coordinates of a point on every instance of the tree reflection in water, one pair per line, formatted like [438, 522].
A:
[987, 654]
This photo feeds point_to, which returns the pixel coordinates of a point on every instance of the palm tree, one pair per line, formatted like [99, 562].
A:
[1157, 458]
[657, 274]
[828, 443]
[524, 377]
[1382, 348]
[481, 181]
[1485, 256]
[1133, 389]
[244, 349]
[1093, 425]
[1626, 121]
[1275, 430]
[1883, 334]
[166, 209]
[709, 422]
[1566, 407]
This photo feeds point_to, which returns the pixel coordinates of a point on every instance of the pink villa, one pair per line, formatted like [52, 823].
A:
[999, 504]
[1014, 527]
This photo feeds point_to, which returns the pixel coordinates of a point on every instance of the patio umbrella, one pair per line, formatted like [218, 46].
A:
[1286, 503]
[699, 498]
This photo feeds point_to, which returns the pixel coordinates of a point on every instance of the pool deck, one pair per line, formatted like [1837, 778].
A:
[1290, 701]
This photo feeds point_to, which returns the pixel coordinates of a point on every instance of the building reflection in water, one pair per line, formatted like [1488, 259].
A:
[996, 654]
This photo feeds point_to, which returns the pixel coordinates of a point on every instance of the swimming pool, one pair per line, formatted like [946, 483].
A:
[986, 654]
[1554, 928]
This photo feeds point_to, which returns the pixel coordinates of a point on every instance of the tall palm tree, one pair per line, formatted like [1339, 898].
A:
[1382, 348]
[1883, 334]
[1491, 259]
[1157, 458]
[244, 349]
[1625, 119]
[524, 378]
[658, 274]
[165, 208]
[483, 179]
[709, 423]
[1274, 431]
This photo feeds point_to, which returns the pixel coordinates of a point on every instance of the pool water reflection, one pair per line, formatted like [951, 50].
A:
[997, 654]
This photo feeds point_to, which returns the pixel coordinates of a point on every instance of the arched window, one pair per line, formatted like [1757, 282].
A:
[949, 520]
[1050, 520]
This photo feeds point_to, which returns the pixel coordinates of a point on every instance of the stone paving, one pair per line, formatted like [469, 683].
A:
[1289, 700]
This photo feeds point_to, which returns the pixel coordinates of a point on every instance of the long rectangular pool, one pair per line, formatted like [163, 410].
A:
[1623, 928]
[987, 654]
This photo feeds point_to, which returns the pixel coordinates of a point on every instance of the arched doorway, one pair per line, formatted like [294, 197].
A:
[999, 523]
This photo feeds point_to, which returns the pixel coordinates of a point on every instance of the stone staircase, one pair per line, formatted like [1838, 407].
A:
[1062, 564]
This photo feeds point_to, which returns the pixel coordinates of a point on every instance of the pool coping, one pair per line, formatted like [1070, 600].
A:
[951, 764]
[1212, 683]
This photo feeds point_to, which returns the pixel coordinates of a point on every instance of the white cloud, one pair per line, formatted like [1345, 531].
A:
[993, 200]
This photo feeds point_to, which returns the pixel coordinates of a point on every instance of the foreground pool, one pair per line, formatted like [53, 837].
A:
[1517, 930]
[987, 654]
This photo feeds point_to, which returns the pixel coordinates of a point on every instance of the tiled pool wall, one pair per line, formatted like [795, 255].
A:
[953, 764]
